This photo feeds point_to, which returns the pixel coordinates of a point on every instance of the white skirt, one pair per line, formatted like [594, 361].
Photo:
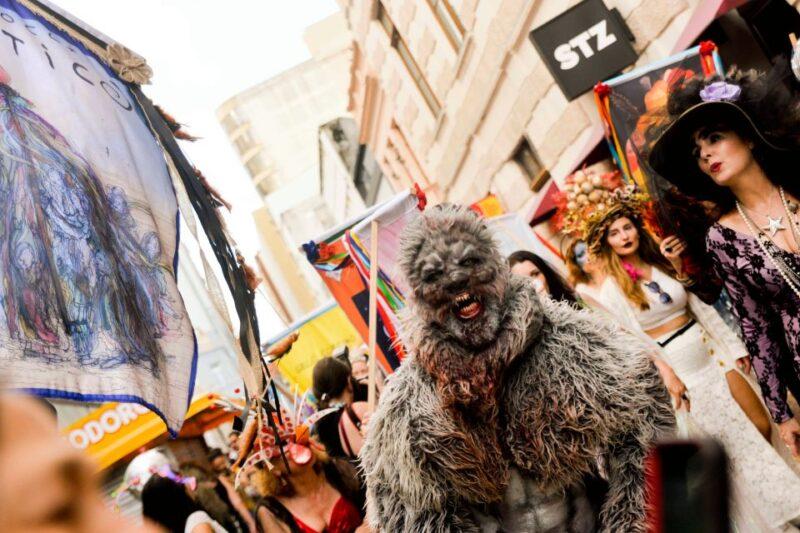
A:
[766, 491]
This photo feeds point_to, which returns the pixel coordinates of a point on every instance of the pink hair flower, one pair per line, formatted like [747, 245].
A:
[632, 272]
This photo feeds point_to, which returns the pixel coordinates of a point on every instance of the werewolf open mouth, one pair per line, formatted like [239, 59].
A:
[467, 307]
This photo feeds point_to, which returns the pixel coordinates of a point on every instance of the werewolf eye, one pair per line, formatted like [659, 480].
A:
[469, 262]
[430, 277]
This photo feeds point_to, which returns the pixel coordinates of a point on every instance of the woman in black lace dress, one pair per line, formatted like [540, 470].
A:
[732, 145]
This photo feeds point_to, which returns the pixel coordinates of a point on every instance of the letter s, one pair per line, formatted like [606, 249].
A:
[565, 55]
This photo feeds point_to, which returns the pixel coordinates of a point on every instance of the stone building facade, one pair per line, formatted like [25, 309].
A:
[453, 95]
[274, 127]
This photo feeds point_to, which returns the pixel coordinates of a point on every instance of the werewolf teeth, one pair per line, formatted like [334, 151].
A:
[470, 311]
[463, 297]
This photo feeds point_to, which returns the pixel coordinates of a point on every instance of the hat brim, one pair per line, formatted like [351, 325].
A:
[671, 154]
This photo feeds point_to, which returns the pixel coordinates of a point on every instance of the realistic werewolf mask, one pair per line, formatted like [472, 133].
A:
[499, 385]
[460, 286]
[457, 277]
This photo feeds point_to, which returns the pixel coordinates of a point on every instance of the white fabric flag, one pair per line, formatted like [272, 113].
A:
[512, 233]
[89, 307]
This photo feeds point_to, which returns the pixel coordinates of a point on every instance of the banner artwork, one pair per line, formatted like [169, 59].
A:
[89, 308]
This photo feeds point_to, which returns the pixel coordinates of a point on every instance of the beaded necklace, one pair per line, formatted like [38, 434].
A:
[789, 275]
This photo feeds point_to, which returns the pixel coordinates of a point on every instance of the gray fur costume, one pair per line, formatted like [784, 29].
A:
[519, 400]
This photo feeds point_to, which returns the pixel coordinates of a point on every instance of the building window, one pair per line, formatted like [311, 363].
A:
[449, 21]
[264, 187]
[411, 65]
[244, 142]
[529, 162]
[256, 164]
[231, 121]
[367, 176]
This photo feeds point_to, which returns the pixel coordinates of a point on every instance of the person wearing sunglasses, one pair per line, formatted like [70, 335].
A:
[641, 293]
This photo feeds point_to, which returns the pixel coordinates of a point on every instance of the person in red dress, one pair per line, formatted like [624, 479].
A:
[305, 493]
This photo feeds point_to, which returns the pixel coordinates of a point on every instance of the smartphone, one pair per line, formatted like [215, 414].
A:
[688, 488]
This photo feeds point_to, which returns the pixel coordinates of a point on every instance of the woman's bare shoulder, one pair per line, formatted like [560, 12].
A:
[360, 408]
[269, 522]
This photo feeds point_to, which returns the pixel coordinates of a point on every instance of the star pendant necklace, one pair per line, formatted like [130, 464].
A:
[774, 225]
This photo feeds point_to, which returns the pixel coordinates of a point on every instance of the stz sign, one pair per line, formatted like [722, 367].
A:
[585, 44]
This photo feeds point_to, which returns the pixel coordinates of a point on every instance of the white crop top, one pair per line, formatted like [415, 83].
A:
[660, 313]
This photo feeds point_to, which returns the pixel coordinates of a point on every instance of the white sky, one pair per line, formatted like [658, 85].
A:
[202, 52]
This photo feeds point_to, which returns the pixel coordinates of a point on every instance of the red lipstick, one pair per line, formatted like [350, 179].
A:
[715, 167]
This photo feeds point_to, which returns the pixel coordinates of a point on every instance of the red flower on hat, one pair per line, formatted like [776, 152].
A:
[707, 47]
[601, 89]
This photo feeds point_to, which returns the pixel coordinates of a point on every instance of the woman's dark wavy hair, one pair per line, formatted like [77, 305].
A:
[772, 101]
[559, 288]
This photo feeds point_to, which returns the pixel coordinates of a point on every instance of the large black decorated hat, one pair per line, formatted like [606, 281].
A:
[744, 102]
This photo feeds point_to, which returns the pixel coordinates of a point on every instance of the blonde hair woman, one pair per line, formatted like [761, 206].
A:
[642, 293]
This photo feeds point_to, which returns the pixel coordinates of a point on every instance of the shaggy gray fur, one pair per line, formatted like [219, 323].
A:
[535, 388]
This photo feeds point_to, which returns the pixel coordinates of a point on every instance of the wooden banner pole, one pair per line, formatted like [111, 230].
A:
[373, 315]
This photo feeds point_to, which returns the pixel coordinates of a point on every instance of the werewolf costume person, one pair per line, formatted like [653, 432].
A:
[503, 400]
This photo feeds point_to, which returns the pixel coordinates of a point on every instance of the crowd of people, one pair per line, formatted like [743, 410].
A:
[720, 224]
[701, 267]
[722, 167]
[303, 486]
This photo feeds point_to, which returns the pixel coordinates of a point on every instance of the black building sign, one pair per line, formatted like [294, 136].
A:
[585, 44]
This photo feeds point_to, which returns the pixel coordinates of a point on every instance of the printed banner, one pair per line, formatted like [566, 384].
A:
[392, 218]
[320, 334]
[351, 292]
[630, 103]
[89, 308]
[114, 430]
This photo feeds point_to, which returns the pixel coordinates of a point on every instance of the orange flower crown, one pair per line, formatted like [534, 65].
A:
[626, 201]
[583, 195]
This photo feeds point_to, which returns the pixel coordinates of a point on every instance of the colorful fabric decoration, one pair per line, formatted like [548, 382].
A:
[342, 259]
[720, 91]
[584, 193]
[167, 472]
[632, 272]
[318, 335]
[633, 102]
[488, 207]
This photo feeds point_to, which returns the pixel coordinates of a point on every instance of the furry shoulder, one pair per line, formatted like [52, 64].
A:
[594, 385]
[392, 456]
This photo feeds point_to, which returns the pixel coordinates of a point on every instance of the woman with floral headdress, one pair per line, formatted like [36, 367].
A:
[642, 293]
[732, 144]
[303, 490]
